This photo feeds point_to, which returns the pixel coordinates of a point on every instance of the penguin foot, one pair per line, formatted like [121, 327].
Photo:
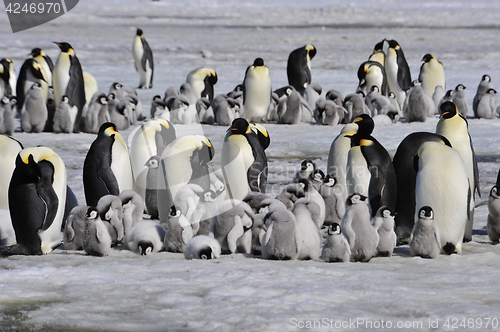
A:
[16, 249]
[465, 240]
[383, 254]
[450, 248]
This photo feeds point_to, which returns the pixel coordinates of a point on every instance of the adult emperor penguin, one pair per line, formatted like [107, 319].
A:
[493, 221]
[406, 178]
[7, 77]
[37, 196]
[442, 184]
[67, 79]
[372, 73]
[398, 71]
[9, 149]
[202, 81]
[106, 169]
[257, 91]
[335, 249]
[454, 127]
[425, 240]
[431, 74]
[378, 54]
[30, 73]
[482, 89]
[143, 60]
[243, 160]
[45, 62]
[298, 68]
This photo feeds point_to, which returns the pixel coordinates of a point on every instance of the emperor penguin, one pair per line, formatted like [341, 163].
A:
[202, 247]
[110, 212]
[64, 118]
[482, 89]
[151, 192]
[307, 167]
[281, 241]
[398, 71]
[143, 60]
[425, 240]
[493, 221]
[417, 105]
[91, 87]
[243, 159]
[106, 169]
[355, 106]
[30, 73]
[231, 226]
[378, 54]
[97, 113]
[442, 184]
[203, 213]
[34, 112]
[7, 114]
[383, 223]
[332, 194]
[406, 178]
[487, 106]
[96, 239]
[312, 194]
[431, 74]
[307, 229]
[335, 249]
[291, 193]
[356, 225]
[67, 79]
[45, 62]
[328, 113]
[185, 160]
[257, 91]
[179, 231]
[298, 68]
[75, 228]
[187, 198]
[290, 107]
[132, 209]
[205, 111]
[372, 73]
[318, 177]
[227, 111]
[454, 127]
[458, 98]
[37, 197]
[9, 149]
[145, 237]
[7, 78]
[202, 80]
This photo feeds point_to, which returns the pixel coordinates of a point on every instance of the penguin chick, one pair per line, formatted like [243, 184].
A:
[64, 117]
[291, 193]
[307, 167]
[132, 209]
[331, 191]
[187, 198]
[110, 212]
[202, 215]
[458, 98]
[307, 229]
[487, 105]
[179, 231]
[493, 222]
[145, 237]
[202, 247]
[425, 240]
[280, 242]
[34, 112]
[482, 89]
[318, 177]
[336, 248]
[383, 223]
[96, 239]
[75, 228]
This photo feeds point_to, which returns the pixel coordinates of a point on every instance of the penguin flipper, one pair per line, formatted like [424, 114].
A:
[267, 235]
[108, 179]
[476, 170]
[256, 177]
[404, 75]
[76, 90]
[235, 233]
[147, 55]
[47, 193]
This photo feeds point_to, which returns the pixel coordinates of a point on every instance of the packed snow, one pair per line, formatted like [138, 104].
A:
[68, 290]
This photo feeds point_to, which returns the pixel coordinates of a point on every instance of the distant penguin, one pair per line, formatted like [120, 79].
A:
[308, 231]
[110, 212]
[75, 228]
[331, 191]
[298, 68]
[280, 242]
[227, 112]
[397, 70]
[417, 105]
[143, 60]
[335, 249]
[34, 112]
[64, 118]
[372, 73]
[493, 221]
[458, 98]
[482, 89]
[202, 80]
[383, 223]
[425, 240]
[446, 189]
[97, 113]
[145, 237]
[431, 74]
[132, 209]
[243, 159]
[307, 167]
[9, 149]
[487, 105]
[30, 73]
[406, 177]
[96, 239]
[231, 226]
[328, 113]
[68, 80]
[378, 54]
[106, 169]
[357, 228]
[45, 62]
[256, 91]
[37, 197]
[202, 247]
[447, 97]
[454, 127]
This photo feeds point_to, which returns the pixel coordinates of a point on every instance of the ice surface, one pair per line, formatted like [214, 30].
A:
[126, 292]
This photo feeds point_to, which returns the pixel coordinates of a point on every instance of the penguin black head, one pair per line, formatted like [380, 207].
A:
[206, 253]
[428, 57]
[486, 78]
[448, 110]
[311, 50]
[308, 163]
[387, 212]
[259, 62]
[355, 199]
[65, 47]
[495, 192]
[330, 180]
[374, 88]
[239, 126]
[304, 183]
[64, 99]
[139, 32]
[92, 213]
[103, 100]
[318, 175]
[146, 247]
[491, 91]
[209, 196]
[365, 123]
[460, 87]
[426, 212]
[36, 52]
[153, 162]
[334, 229]
[393, 44]
[5, 100]
[116, 86]
[106, 126]
[174, 211]
[111, 96]
[379, 46]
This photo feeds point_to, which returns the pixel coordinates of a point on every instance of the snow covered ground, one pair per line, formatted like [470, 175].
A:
[125, 292]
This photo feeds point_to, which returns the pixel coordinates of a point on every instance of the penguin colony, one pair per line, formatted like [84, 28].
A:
[158, 194]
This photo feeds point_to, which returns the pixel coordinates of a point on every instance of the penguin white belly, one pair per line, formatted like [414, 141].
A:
[374, 77]
[137, 51]
[9, 149]
[358, 175]
[120, 164]
[391, 69]
[432, 76]
[236, 160]
[61, 77]
[7, 233]
[337, 161]
[257, 97]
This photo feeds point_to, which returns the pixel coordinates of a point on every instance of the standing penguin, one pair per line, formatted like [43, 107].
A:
[132, 209]
[454, 127]
[96, 239]
[64, 118]
[68, 80]
[75, 228]
[110, 212]
[34, 112]
[458, 98]
[106, 169]
[257, 91]
[244, 161]
[98, 105]
[143, 60]
[372, 73]
[298, 68]
[331, 191]
[9, 149]
[425, 240]
[417, 105]
[30, 73]
[290, 109]
[202, 80]
[307, 229]
[45, 62]
[307, 167]
[7, 114]
[7, 78]
[280, 242]
[442, 183]
[487, 106]
[336, 249]
[431, 74]
[482, 89]
[378, 54]
[493, 222]
[179, 231]
[37, 197]
[398, 71]
[383, 223]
